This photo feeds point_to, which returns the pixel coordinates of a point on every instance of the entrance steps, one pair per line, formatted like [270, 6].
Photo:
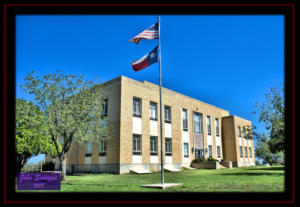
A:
[140, 171]
[171, 169]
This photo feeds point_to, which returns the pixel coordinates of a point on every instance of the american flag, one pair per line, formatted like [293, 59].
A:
[150, 33]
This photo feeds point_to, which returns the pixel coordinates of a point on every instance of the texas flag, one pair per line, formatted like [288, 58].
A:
[145, 61]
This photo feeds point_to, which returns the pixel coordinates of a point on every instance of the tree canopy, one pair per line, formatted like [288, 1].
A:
[31, 136]
[73, 109]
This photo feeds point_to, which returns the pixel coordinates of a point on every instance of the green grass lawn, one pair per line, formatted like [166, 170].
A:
[246, 179]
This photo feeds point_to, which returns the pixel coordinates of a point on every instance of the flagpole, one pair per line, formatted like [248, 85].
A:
[161, 117]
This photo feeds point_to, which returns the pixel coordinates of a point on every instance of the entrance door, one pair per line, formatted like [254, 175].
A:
[199, 153]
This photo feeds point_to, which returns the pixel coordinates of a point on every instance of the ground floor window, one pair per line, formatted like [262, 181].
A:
[168, 143]
[136, 148]
[250, 152]
[210, 152]
[241, 151]
[102, 148]
[219, 151]
[88, 149]
[186, 149]
[153, 145]
[246, 154]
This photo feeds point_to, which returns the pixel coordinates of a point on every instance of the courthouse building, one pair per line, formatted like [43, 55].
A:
[191, 129]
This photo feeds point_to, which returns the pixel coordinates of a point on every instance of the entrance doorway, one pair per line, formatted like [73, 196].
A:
[199, 153]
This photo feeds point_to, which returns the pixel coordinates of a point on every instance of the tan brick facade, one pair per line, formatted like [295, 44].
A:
[119, 154]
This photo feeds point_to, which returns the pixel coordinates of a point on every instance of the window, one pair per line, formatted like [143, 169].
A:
[104, 107]
[244, 132]
[239, 130]
[88, 149]
[250, 152]
[137, 107]
[186, 149]
[153, 145]
[153, 111]
[198, 123]
[219, 151]
[210, 152]
[246, 154]
[168, 142]
[167, 114]
[208, 125]
[241, 151]
[136, 149]
[217, 127]
[184, 120]
[102, 147]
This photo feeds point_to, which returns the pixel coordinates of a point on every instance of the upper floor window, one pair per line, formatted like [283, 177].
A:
[198, 123]
[184, 120]
[168, 143]
[136, 142]
[186, 149]
[153, 145]
[153, 111]
[167, 114]
[217, 127]
[239, 131]
[102, 147]
[88, 149]
[208, 122]
[137, 107]
[105, 107]
[244, 131]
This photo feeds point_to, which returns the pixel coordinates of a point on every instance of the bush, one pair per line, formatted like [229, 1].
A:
[211, 159]
[48, 166]
[197, 160]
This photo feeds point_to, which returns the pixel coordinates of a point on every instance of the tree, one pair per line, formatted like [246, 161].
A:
[271, 113]
[31, 137]
[73, 110]
[264, 152]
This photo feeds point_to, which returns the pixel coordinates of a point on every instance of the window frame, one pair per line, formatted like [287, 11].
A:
[219, 151]
[188, 153]
[200, 122]
[153, 118]
[239, 131]
[156, 145]
[135, 137]
[217, 127]
[168, 140]
[210, 151]
[170, 114]
[246, 151]
[88, 154]
[208, 125]
[134, 100]
[241, 151]
[185, 121]
[104, 142]
[105, 107]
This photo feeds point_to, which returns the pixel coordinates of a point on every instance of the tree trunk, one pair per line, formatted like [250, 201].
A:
[63, 168]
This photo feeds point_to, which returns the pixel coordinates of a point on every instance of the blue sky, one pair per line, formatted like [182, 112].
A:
[225, 60]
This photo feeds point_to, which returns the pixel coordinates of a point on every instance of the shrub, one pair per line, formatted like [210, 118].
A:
[211, 159]
[197, 160]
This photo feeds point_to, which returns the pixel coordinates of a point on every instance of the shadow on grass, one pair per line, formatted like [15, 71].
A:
[254, 174]
[268, 168]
